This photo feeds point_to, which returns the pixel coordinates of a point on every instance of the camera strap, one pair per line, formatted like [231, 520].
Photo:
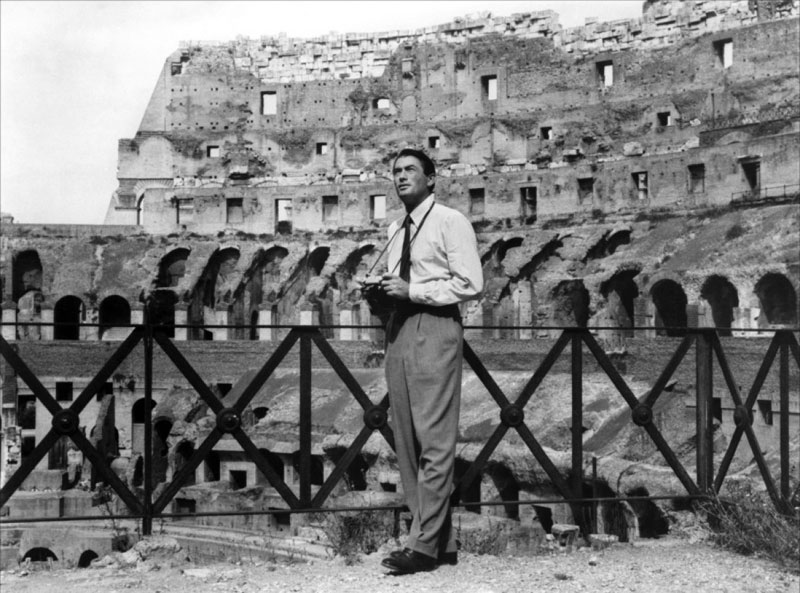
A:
[410, 243]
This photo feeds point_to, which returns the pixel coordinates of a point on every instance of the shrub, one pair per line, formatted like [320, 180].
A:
[351, 534]
[747, 522]
[735, 231]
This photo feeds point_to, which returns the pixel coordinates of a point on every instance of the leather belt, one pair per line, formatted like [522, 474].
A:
[406, 309]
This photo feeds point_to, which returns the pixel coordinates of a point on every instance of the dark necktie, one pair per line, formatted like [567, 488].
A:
[405, 256]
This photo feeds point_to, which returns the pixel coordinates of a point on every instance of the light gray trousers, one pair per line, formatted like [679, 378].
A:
[423, 372]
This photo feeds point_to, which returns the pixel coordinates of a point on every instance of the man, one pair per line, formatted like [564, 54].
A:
[432, 269]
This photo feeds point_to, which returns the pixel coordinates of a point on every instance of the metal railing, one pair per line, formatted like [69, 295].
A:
[152, 504]
[771, 193]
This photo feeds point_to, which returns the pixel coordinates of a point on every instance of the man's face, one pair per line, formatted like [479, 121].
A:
[410, 182]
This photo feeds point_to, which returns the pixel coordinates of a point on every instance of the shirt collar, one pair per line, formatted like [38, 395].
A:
[422, 208]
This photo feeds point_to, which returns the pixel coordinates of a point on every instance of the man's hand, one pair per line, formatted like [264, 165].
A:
[395, 287]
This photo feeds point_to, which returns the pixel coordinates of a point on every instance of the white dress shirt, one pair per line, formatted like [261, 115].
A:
[445, 265]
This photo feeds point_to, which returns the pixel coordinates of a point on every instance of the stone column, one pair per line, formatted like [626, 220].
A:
[346, 318]
[89, 330]
[221, 333]
[181, 317]
[365, 333]
[265, 318]
[9, 332]
[308, 316]
[47, 318]
[524, 310]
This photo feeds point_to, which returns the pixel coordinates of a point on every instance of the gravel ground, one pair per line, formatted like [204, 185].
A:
[671, 564]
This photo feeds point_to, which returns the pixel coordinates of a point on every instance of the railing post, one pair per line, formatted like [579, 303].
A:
[577, 420]
[147, 520]
[704, 392]
[784, 418]
[305, 418]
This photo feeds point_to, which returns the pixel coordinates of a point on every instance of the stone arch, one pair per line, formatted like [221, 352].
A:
[778, 299]
[722, 296]
[67, 315]
[27, 273]
[211, 289]
[571, 303]
[40, 554]
[261, 276]
[670, 302]
[620, 291]
[507, 487]
[115, 311]
[316, 260]
[86, 557]
[172, 268]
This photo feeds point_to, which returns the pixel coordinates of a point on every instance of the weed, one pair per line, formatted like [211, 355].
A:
[353, 533]
[747, 522]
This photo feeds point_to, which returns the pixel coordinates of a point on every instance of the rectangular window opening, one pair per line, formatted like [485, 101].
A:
[176, 68]
[546, 133]
[477, 201]
[283, 216]
[330, 208]
[489, 85]
[64, 391]
[377, 207]
[640, 182]
[605, 73]
[752, 173]
[223, 389]
[212, 152]
[527, 197]
[433, 141]
[765, 409]
[184, 210]
[585, 188]
[269, 103]
[664, 119]
[238, 479]
[322, 148]
[724, 50]
[234, 210]
[697, 178]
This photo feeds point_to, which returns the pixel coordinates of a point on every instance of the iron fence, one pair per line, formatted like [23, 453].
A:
[152, 504]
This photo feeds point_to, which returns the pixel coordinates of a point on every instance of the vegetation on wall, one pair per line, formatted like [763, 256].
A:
[297, 144]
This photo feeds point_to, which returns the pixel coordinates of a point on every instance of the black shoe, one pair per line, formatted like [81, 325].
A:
[408, 562]
[450, 558]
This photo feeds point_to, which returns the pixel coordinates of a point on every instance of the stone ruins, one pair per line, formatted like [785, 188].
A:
[638, 173]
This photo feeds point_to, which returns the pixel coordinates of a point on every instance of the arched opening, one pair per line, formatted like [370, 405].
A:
[138, 418]
[67, 316]
[317, 259]
[114, 312]
[778, 299]
[183, 452]
[86, 558]
[652, 522]
[40, 555]
[571, 303]
[138, 472]
[722, 296]
[670, 303]
[275, 462]
[172, 268]
[27, 274]
[620, 291]
[213, 288]
[161, 429]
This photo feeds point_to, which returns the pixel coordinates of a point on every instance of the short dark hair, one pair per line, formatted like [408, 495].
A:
[428, 166]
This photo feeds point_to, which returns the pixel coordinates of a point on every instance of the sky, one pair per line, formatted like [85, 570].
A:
[75, 77]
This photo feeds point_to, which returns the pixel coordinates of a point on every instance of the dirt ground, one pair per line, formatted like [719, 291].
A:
[670, 564]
